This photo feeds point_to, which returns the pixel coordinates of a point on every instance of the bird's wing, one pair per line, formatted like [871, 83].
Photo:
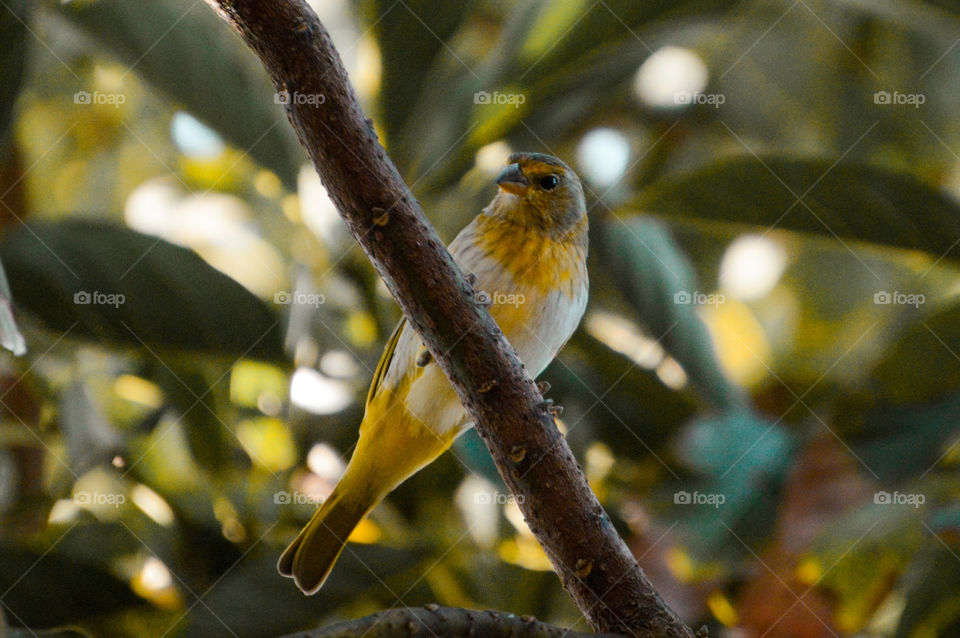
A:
[465, 253]
[385, 359]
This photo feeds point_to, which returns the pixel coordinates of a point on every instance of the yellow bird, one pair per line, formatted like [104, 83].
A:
[527, 253]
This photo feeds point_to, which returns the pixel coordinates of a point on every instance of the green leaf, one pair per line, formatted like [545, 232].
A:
[440, 125]
[898, 442]
[851, 202]
[743, 456]
[190, 392]
[569, 61]
[59, 590]
[908, 413]
[933, 608]
[362, 572]
[167, 466]
[193, 57]
[660, 283]
[600, 389]
[420, 29]
[13, 52]
[585, 32]
[115, 285]
[924, 363]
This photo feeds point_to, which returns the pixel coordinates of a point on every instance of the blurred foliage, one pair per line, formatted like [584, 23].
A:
[765, 392]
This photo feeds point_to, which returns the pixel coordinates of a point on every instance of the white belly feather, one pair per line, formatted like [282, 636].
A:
[548, 321]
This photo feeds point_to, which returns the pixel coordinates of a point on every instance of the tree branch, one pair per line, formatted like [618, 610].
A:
[593, 563]
[444, 622]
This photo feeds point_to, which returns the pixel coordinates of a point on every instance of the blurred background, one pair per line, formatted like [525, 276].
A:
[764, 392]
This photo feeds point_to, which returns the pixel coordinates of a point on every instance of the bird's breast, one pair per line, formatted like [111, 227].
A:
[536, 290]
[536, 287]
[534, 261]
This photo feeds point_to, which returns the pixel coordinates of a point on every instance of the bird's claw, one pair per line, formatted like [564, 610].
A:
[424, 357]
[543, 386]
[555, 410]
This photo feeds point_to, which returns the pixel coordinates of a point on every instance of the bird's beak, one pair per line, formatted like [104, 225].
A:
[512, 180]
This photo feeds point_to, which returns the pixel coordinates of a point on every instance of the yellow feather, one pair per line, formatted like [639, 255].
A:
[385, 359]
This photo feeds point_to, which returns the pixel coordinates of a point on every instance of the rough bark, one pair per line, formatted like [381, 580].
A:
[434, 621]
[593, 563]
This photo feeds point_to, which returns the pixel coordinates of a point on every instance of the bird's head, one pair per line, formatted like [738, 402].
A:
[540, 191]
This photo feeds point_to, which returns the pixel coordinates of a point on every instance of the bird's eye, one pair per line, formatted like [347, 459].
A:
[549, 182]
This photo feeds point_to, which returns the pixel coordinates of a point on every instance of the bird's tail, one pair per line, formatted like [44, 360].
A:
[311, 555]
[388, 452]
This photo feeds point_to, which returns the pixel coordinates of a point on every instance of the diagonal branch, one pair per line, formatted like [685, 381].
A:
[593, 563]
